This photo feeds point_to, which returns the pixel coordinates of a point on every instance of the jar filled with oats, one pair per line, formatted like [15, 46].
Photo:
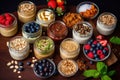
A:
[18, 48]
[45, 17]
[26, 11]
[69, 48]
[106, 23]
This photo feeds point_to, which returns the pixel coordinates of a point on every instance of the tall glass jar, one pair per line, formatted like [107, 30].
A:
[11, 29]
[18, 48]
[69, 48]
[45, 17]
[82, 32]
[26, 11]
[44, 47]
[106, 23]
[31, 31]
[57, 30]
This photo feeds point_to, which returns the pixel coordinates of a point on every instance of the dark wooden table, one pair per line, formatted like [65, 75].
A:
[28, 74]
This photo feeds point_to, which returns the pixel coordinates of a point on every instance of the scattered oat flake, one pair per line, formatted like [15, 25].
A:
[19, 76]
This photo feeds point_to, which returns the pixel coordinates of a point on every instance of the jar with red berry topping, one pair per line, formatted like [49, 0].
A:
[8, 25]
[26, 11]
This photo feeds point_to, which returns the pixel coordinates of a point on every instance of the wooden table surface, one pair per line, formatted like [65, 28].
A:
[28, 74]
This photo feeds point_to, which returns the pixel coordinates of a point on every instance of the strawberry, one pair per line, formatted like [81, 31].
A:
[103, 42]
[60, 2]
[62, 7]
[90, 55]
[52, 4]
[87, 47]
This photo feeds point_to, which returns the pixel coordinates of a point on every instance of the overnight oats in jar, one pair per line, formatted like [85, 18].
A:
[8, 25]
[69, 48]
[31, 31]
[18, 48]
[57, 30]
[82, 32]
[106, 23]
[44, 47]
[45, 17]
[26, 11]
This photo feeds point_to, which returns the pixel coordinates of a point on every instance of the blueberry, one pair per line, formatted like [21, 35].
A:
[98, 44]
[45, 69]
[101, 47]
[40, 67]
[20, 63]
[44, 60]
[86, 51]
[41, 74]
[97, 48]
[28, 63]
[46, 74]
[37, 71]
[43, 64]
[94, 51]
[97, 58]
[95, 55]
[20, 69]
[105, 52]
[91, 49]
[93, 45]
[32, 30]
[32, 23]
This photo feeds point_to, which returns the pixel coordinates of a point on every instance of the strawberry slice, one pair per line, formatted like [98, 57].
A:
[99, 37]
[103, 42]
[60, 2]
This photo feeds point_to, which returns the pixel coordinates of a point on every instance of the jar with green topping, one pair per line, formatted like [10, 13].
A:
[44, 47]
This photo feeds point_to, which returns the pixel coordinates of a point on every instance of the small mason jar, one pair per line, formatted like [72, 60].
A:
[18, 48]
[26, 11]
[31, 31]
[57, 30]
[45, 17]
[44, 47]
[106, 23]
[69, 48]
[9, 30]
[82, 32]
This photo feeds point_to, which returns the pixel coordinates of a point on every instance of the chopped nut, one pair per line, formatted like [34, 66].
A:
[32, 65]
[9, 63]
[19, 76]
[11, 67]
[18, 72]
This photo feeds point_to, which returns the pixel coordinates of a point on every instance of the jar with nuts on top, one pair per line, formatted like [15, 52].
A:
[45, 17]
[82, 32]
[18, 48]
[106, 23]
[26, 11]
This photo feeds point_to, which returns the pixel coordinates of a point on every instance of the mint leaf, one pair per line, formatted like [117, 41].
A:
[91, 73]
[105, 77]
[102, 68]
[96, 75]
[111, 73]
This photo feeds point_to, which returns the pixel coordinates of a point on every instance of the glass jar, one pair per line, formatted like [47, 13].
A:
[57, 30]
[18, 48]
[31, 31]
[26, 11]
[45, 17]
[44, 47]
[69, 48]
[106, 23]
[11, 29]
[82, 32]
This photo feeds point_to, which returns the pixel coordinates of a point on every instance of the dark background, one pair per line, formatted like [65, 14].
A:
[104, 5]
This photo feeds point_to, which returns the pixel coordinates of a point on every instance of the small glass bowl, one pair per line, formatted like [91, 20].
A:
[84, 12]
[65, 67]
[109, 52]
[45, 64]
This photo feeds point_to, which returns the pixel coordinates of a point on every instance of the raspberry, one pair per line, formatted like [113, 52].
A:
[90, 55]
[1, 17]
[102, 56]
[87, 47]
[2, 21]
[7, 15]
[7, 22]
[99, 52]
[106, 48]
